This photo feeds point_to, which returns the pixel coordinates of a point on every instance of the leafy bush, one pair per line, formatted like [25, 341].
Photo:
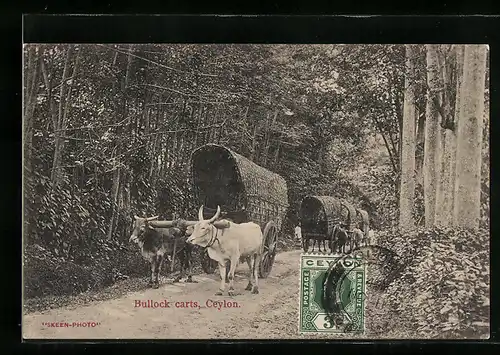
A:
[46, 273]
[60, 218]
[444, 287]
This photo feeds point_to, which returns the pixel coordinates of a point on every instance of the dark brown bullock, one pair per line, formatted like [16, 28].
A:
[339, 239]
[157, 243]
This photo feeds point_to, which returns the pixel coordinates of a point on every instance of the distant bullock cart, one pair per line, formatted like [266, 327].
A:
[328, 220]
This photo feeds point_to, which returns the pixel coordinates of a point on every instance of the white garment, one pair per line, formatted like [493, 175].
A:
[371, 237]
[298, 233]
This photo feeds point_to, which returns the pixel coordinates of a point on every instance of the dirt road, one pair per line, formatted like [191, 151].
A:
[271, 314]
[195, 312]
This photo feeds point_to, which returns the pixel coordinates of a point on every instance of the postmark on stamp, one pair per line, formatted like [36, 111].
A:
[332, 290]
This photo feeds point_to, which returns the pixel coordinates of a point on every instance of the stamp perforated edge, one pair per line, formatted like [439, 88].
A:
[363, 305]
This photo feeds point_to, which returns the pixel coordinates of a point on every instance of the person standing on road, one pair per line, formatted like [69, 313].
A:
[298, 233]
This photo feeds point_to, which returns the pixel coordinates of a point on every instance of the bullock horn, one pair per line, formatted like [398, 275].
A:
[216, 215]
[200, 213]
[152, 218]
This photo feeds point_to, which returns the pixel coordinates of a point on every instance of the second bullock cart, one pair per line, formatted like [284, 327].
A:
[320, 214]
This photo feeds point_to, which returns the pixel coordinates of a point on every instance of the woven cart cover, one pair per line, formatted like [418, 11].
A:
[333, 208]
[223, 177]
[351, 221]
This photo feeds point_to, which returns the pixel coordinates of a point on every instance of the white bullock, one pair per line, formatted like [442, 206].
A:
[230, 241]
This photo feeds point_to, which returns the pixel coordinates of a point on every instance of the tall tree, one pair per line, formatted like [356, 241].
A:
[115, 188]
[431, 146]
[452, 70]
[62, 122]
[31, 88]
[469, 138]
[407, 192]
[453, 161]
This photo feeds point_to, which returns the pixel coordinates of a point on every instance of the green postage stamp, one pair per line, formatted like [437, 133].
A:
[332, 293]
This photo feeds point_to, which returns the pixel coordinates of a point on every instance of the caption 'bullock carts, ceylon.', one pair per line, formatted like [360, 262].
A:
[325, 218]
[244, 191]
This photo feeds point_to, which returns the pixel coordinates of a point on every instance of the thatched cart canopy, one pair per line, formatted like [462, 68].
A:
[320, 214]
[225, 178]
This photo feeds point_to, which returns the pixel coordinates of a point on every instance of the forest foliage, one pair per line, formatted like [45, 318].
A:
[112, 127]
[109, 129]
[443, 286]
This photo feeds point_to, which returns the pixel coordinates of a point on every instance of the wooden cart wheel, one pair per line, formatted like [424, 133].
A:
[270, 244]
[207, 264]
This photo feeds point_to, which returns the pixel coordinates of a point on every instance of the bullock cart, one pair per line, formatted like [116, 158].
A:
[320, 214]
[245, 192]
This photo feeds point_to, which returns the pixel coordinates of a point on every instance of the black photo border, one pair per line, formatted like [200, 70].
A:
[44, 28]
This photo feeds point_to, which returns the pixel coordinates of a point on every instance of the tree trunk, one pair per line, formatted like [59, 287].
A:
[446, 186]
[469, 138]
[244, 129]
[115, 189]
[213, 130]
[56, 162]
[198, 118]
[206, 124]
[123, 204]
[387, 146]
[432, 138]
[220, 131]
[30, 96]
[253, 154]
[453, 138]
[277, 152]
[419, 149]
[269, 131]
[67, 103]
[407, 189]
[177, 136]
[263, 155]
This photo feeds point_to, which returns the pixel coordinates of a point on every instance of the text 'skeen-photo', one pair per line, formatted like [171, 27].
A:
[256, 191]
